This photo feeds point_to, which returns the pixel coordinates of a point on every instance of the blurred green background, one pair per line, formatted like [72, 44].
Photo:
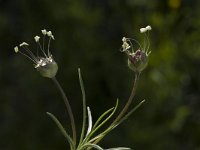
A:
[88, 35]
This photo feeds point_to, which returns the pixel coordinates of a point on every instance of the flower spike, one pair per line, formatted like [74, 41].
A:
[45, 63]
[137, 60]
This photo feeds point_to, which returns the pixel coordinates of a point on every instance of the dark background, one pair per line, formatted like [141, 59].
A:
[88, 35]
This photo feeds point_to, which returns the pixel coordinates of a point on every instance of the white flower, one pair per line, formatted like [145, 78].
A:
[37, 38]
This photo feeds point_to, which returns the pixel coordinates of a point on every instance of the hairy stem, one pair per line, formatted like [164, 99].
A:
[69, 110]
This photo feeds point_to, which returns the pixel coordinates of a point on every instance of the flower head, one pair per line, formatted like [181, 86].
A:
[137, 59]
[43, 60]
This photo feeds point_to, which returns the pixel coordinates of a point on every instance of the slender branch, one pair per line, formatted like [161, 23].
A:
[69, 110]
[124, 110]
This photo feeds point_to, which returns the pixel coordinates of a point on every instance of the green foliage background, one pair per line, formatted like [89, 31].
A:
[88, 35]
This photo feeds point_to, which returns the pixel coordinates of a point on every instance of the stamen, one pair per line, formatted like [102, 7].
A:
[49, 33]
[148, 42]
[143, 30]
[23, 44]
[44, 31]
[148, 27]
[144, 48]
[30, 53]
[135, 42]
[28, 57]
[16, 49]
[37, 38]
[42, 50]
[37, 54]
[48, 53]
[38, 60]
[43, 41]
[131, 45]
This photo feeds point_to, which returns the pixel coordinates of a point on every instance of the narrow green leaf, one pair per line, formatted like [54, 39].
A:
[89, 121]
[119, 148]
[67, 136]
[130, 112]
[103, 122]
[107, 117]
[101, 135]
[92, 146]
[84, 105]
[101, 117]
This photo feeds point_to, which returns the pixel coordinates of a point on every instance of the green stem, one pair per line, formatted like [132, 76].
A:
[66, 101]
[124, 110]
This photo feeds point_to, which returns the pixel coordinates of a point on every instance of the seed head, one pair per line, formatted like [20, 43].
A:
[138, 61]
[47, 67]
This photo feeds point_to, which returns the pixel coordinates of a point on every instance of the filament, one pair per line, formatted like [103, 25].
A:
[48, 53]
[30, 53]
[42, 49]
[28, 57]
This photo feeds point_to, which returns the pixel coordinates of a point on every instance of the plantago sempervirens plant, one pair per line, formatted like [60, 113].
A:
[47, 67]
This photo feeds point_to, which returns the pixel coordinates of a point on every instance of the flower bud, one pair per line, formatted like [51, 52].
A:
[47, 68]
[138, 61]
